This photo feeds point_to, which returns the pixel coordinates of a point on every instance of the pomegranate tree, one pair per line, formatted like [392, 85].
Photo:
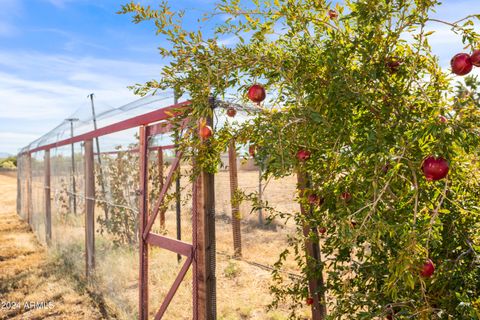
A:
[353, 91]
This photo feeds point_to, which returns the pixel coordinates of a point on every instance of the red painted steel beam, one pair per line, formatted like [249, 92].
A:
[183, 248]
[160, 128]
[144, 119]
[171, 146]
[163, 193]
[174, 288]
[164, 127]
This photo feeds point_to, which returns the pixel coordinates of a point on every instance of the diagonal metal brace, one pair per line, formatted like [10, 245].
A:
[163, 193]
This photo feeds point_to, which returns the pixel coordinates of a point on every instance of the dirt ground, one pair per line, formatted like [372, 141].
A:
[31, 286]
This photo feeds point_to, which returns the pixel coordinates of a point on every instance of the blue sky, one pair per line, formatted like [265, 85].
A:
[53, 53]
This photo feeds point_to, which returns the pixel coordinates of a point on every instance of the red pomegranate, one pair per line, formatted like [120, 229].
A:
[428, 269]
[322, 230]
[231, 112]
[475, 58]
[442, 119]
[435, 168]
[256, 93]
[461, 64]
[303, 154]
[390, 313]
[394, 64]
[205, 132]
[251, 150]
[309, 301]
[332, 14]
[313, 199]
[346, 196]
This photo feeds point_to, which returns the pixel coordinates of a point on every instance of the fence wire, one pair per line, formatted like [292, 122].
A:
[242, 281]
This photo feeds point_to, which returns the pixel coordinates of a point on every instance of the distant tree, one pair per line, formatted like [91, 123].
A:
[8, 163]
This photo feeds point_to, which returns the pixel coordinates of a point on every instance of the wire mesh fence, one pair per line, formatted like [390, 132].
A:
[247, 243]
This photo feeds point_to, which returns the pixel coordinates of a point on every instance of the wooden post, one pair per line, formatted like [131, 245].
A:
[232, 168]
[29, 189]
[48, 199]
[316, 286]
[143, 219]
[204, 269]
[160, 180]
[89, 208]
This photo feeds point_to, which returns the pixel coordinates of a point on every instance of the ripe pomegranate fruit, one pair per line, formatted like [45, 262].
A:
[428, 269]
[309, 301]
[461, 64]
[205, 132]
[313, 199]
[322, 230]
[390, 316]
[251, 150]
[394, 64]
[231, 112]
[346, 196]
[303, 154]
[435, 168]
[475, 58]
[256, 93]
[390, 312]
[442, 119]
[332, 14]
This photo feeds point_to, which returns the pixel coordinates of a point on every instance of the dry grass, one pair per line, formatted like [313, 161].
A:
[27, 275]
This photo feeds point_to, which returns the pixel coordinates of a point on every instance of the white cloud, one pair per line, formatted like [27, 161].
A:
[41, 89]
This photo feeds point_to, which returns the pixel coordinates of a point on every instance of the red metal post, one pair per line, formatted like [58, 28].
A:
[47, 194]
[316, 286]
[195, 246]
[143, 216]
[89, 208]
[204, 275]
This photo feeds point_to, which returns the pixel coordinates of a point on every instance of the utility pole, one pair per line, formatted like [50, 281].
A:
[99, 157]
[74, 191]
